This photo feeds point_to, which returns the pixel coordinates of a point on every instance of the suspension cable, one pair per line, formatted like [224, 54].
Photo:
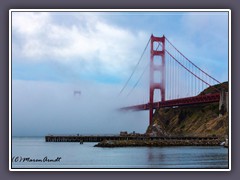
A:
[125, 85]
[192, 62]
[190, 71]
[138, 80]
[142, 72]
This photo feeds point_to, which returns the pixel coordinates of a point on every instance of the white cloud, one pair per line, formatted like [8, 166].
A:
[29, 23]
[90, 40]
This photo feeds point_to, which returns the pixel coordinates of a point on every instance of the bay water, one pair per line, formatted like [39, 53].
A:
[34, 152]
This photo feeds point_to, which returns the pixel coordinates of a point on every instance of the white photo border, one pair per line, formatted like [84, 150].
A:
[114, 10]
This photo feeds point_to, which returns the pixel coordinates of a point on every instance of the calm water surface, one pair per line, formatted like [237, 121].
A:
[74, 155]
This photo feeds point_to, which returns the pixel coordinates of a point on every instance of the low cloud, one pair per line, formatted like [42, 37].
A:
[41, 108]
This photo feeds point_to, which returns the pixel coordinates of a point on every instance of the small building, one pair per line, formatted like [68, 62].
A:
[123, 133]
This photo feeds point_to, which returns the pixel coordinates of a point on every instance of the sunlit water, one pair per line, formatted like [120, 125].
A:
[74, 155]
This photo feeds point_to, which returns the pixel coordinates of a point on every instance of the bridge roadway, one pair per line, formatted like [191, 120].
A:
[52, 138]
[200, 99]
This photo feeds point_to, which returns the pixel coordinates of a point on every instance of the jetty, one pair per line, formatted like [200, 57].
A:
[140, 140]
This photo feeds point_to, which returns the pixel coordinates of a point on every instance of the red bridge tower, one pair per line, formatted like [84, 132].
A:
[159, 54]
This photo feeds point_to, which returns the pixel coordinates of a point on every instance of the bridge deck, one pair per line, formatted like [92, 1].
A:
[201, 99]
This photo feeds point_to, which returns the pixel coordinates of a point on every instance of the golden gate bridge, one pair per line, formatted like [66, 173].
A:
[178, 79]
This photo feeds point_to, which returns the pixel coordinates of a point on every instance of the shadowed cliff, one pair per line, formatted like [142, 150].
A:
[198, 120]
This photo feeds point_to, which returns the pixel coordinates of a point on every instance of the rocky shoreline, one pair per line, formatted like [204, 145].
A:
[158, 143]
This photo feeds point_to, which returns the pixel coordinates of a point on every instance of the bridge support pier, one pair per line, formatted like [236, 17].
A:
[223, 102]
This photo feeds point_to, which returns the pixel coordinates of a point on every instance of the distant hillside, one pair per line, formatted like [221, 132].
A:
[198, 120]
[211, 90]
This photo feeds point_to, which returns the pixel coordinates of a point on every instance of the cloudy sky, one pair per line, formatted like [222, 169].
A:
[57, 53]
